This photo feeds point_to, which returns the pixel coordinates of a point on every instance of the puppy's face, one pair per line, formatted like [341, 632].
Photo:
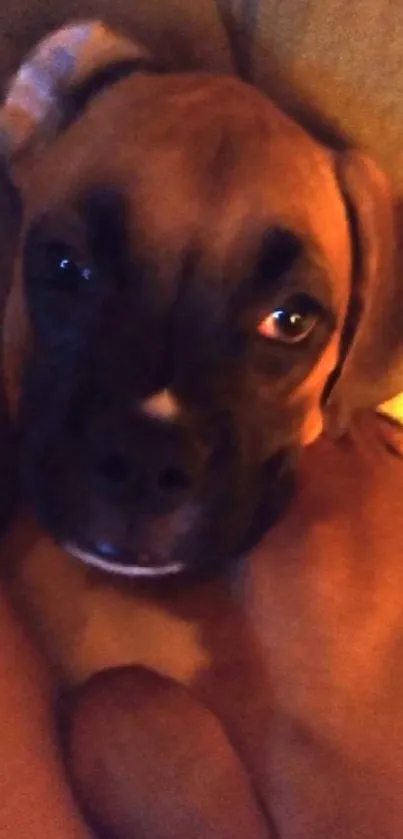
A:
[186, 271]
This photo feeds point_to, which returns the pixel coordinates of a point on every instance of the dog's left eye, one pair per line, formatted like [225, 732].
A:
[292, 322]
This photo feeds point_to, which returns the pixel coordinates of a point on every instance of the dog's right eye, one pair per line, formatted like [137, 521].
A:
[60, 270]
[58, 285]
[54, 267]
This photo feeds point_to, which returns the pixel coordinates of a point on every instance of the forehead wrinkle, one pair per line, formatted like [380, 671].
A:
[158, 296]
[113, 218]
[104, 212]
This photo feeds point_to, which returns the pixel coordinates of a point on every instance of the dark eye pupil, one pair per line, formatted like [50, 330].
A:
[66, 275]
[291, 323]
[68, 270]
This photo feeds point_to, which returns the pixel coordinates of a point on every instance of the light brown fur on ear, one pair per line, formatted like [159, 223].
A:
[371, 370]
[34, 107]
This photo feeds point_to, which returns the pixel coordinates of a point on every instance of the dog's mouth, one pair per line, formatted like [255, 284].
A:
[147, 546]
[203, 533]
[106, 557]
[192, 538]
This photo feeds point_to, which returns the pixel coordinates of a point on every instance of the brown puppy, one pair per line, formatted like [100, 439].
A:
[204, 284]
[188, 286]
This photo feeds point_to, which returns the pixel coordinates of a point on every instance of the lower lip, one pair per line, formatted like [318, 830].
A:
[120, 569]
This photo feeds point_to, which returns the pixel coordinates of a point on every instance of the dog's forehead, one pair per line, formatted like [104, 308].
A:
[197, 158]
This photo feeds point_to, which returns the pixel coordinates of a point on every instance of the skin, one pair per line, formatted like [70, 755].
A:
[203, 773]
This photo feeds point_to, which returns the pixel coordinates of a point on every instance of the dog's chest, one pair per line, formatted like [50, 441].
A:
[87, 624]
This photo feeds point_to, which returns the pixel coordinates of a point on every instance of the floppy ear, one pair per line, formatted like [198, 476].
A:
[370, 370]
[66, 63]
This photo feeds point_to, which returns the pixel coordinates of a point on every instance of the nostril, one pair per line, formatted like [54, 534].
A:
[172, 479]
[116, 469]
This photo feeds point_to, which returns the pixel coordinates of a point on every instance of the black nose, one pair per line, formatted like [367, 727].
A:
[154, 478]
[136, 459]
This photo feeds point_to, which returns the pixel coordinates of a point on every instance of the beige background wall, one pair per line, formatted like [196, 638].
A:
[343, 57]
[347, 57]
